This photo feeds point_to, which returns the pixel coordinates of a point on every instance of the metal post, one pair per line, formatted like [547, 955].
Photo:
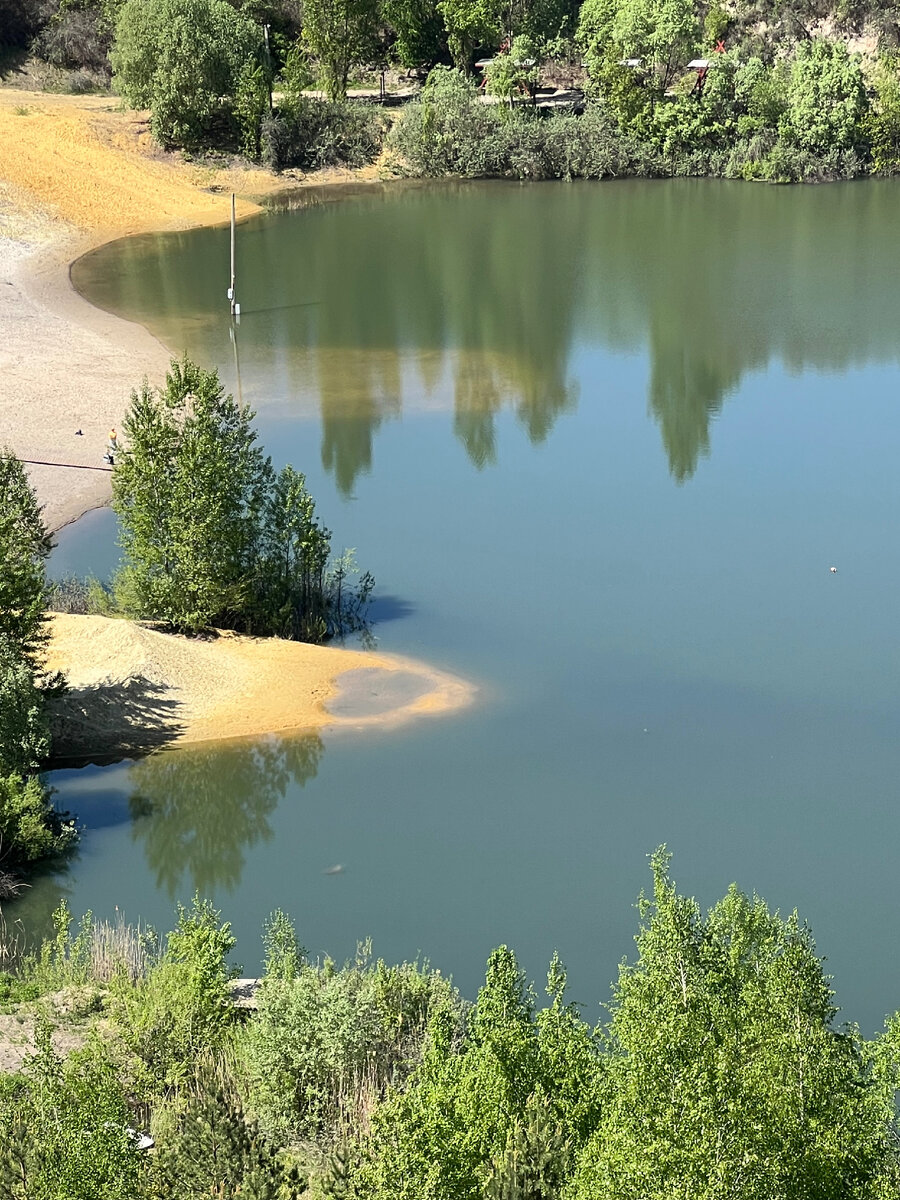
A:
[231, 289]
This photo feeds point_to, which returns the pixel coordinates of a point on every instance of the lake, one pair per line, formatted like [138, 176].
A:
[600, 445]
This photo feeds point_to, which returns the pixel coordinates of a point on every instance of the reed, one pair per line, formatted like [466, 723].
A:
[119, 948]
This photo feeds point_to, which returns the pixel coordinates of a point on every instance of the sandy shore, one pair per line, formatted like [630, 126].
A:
[133, 689]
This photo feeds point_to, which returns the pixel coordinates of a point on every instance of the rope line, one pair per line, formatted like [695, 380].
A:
[37, 462]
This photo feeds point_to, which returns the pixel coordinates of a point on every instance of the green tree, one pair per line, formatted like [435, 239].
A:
[24, 547]
[470, 24]
[496, 1106]
[726, 1074]
[24, 733]
[884, 118]
[215, 1150]
[290, 584]
[29, 827]
[251, 105]
[826, 98]
[419, 31]
[181, 59]
[515, 72]
[211, 535]
[341, 35]
[663, 33]
[189, 489]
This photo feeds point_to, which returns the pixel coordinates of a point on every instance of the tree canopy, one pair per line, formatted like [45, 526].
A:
[180, 58]
[211, 534]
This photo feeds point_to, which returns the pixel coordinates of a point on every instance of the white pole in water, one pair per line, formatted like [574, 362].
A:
[231, 289]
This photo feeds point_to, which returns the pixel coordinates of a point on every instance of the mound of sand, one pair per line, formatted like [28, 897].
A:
[133, 688]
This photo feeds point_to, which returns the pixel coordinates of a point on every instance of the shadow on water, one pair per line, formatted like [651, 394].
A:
[197, 810]
[389, 608]
[194, 810]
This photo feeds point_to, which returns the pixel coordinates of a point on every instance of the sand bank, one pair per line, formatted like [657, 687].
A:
[134, 689]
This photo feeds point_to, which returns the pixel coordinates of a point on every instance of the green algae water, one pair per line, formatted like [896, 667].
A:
[600, 445]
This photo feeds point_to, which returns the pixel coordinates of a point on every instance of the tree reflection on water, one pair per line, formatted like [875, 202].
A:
[197, 810]
[472, 298]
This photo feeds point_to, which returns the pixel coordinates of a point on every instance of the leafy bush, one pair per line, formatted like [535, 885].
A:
[181, 1008]
[311, 134]
[449, 132]
[80, 596]
[181, 59]
[30, 827]
[884, 117]
[76, 38]
[826, 98]
[327, 1042]
[64, 1129]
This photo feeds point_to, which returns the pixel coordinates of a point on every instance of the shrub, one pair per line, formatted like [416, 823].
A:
[327, 1042]
[181, 59]
[182, 1008]
[311, 134]
[76, 38]
[30, 827]
[447, 130]
[826, 98]
[64, 1129]
[214, 1150]
[884, 118]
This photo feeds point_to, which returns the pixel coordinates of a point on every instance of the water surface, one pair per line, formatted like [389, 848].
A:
[600, 445]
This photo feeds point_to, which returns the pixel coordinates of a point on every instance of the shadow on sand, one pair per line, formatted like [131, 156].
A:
[113, 720]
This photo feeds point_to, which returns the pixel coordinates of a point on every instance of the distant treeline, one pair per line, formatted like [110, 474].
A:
[757, 89]
[720, 1071]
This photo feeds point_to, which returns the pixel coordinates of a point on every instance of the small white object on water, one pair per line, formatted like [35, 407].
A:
[833, 570]
[337, 869]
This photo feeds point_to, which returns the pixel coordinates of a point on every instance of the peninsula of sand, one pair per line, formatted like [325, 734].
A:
[76, 171]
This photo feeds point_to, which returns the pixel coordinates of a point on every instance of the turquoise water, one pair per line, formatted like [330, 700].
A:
[600, 445]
